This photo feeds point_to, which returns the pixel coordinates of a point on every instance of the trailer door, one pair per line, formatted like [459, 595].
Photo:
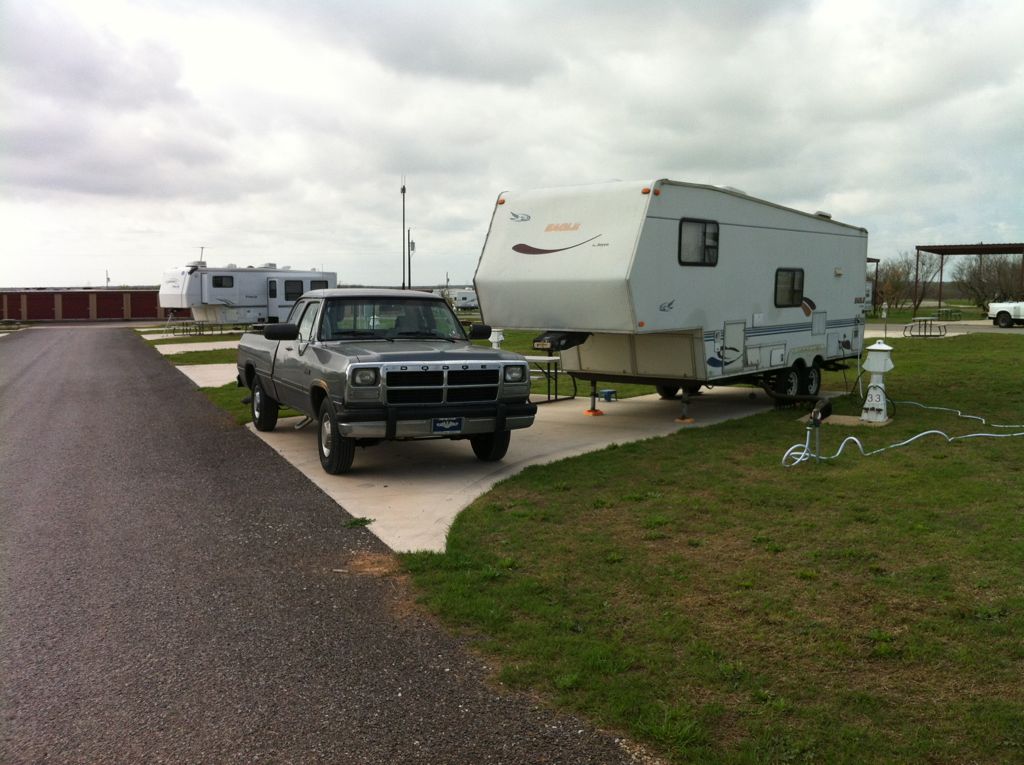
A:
[273, 302]
[733, 351]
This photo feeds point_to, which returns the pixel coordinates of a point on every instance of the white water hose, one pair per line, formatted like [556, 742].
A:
[798, 453]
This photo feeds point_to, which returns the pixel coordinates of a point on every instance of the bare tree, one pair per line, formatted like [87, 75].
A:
[988, 278]
[896, 281]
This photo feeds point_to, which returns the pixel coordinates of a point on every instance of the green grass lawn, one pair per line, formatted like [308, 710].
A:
[696, 594]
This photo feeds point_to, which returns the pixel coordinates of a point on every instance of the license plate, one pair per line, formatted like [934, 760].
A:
[447, 425]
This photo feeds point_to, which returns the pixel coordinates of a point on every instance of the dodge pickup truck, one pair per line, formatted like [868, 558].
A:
[370, 365]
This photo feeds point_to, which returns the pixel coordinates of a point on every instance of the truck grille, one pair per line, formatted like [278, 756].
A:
[436, 386]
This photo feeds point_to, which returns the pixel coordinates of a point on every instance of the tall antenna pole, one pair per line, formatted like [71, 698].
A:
[411, 249]
[403, 232]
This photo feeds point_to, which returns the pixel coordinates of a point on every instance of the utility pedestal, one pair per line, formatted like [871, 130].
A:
[875, 404]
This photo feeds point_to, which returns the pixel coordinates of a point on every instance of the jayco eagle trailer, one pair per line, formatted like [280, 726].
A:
[239, 295]
[676, 284]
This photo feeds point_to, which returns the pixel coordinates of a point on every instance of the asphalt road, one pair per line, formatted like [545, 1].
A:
[172, 591]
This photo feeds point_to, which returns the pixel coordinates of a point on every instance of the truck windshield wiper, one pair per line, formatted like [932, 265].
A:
[424, 334]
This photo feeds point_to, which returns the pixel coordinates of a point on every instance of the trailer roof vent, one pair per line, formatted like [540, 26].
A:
[268, 265]
[823, 214]
[231, 265]
[196, 264]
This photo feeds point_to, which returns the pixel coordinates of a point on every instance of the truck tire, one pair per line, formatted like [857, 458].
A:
[667, 391]
[264, 408]
[1003, 320]
[491, 447]
[787, 382]
[810, 380]
[336, 451]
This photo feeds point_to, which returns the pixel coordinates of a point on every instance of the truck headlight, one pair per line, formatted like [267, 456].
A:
[365, 376]
[515, 374]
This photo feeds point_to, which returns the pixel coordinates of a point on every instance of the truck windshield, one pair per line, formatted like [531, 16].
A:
[373, 318]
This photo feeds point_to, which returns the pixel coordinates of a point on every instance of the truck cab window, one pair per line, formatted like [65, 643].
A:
[308, 324]
[698, 242]
[789, 287]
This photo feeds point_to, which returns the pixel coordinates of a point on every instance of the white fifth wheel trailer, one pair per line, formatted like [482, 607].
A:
[230, 294]
[676, 284]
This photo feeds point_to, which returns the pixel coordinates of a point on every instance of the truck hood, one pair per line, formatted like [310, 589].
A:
[418, 350]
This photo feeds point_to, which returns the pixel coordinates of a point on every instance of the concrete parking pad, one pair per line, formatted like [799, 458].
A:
[209, 375]
[168, 348]
[414, 489]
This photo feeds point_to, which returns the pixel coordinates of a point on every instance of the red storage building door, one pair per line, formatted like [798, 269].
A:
[109, 305]
[40, 306]
[74, 305]
[144, 305]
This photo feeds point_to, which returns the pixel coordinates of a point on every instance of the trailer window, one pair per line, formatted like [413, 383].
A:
[789, 287]
[318, 284]
[223, 281]
[292, 289]
[272, 289]
[698, 242]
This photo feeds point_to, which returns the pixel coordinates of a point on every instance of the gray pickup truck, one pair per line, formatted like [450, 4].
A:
[371, 365]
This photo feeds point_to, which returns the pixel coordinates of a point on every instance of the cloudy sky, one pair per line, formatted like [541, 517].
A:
[132, 133]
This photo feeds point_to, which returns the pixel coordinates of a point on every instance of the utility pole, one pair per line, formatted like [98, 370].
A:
[403, 231]
[412, 249]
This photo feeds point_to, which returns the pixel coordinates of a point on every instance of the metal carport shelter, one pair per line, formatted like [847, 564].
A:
[942, 250]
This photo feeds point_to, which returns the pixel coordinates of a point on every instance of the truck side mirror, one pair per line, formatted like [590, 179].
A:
[281, 331]
[480, 332]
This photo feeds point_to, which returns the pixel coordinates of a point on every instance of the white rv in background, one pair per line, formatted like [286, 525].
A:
[676, 284]
[463, 299]
[233, 295]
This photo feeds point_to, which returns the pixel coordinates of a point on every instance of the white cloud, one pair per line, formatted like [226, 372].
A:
[135, 132]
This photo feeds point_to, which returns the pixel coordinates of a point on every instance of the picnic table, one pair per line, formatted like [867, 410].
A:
[547, 367]
[924, 326]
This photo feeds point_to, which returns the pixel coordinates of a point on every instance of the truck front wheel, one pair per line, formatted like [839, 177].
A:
[336, 451]
[1003, 320]
[491, 447]
[264, 408]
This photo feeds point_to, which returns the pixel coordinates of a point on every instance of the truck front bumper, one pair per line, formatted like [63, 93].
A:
[434, 422]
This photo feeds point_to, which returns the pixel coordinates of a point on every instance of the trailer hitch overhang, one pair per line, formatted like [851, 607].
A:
[559, 341]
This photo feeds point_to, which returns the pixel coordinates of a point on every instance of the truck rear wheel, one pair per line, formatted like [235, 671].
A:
[1004, 320]
[264, 408]
[491, 447]
[336, 451]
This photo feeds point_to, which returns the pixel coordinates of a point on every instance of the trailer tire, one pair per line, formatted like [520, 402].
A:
[692, 389]
[667, 391]
[810, 380]
[264, 408]
[336, 451]
[1003, 320]
[787, 382]
[491, 447]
